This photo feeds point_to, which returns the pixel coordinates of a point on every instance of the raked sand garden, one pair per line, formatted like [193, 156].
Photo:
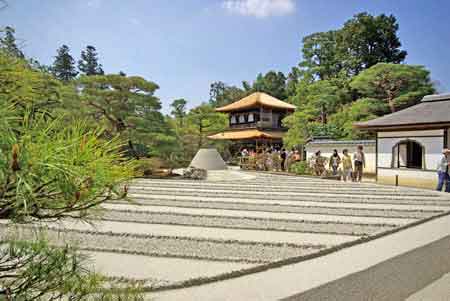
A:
[180, 233]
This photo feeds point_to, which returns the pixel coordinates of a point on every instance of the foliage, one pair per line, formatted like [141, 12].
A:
[64, 65]
[362, 42]
[396, 86]
[25, 88]
[298, 132]
[51, 167]
[8, 43]
[199, 123]
[272, 83]
[367, 40]
[88, 64]
[352, 74]
[320, 55]
[221, 94]
[204, 121]
[37, 271]
[179, 110]
[300, 168]
[361, 110]
[50, 170]
[126, 106]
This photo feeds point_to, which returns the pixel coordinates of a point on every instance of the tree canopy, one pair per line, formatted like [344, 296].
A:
[352, 74]
[64, 65]
[88, 63]
[8, 42]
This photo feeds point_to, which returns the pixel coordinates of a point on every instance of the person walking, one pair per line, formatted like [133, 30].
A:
[359, 161]
[335, 161]
[319, 164]
[443, 171]
[283, 156]
[347, 168]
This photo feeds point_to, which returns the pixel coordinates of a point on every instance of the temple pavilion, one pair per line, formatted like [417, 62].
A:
[255, 121]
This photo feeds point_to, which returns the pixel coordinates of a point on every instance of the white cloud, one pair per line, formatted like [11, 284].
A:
[259, 8]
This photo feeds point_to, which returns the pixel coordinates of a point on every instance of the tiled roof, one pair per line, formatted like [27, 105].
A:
[432, 111]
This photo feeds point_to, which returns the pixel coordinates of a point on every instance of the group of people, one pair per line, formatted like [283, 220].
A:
[350, 168]
[271, 159]
[443, 171]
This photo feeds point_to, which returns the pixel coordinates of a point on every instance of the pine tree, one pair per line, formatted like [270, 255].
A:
[8, 43]
[88, 64]
[64, 65]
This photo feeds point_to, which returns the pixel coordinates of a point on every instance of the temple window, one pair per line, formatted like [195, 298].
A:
[233, 119]
[251, 117]
[242, 118]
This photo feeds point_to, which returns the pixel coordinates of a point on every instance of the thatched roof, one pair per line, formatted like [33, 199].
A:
[432, 113]
[247, 134]
[255, 100]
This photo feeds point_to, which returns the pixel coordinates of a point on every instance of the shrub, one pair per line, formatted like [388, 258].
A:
[301, 168]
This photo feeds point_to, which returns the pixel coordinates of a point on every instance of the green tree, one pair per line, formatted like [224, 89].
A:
[362, 42]
[8, 43]
[126, 106]
[397, 86]
[179, 110]
[202, 121]
[221, 94]
[88, 64]
[272, 83]
[320, 55]
[63, 67]
[366, 40]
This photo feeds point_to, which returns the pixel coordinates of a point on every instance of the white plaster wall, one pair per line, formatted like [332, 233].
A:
[417, 174]
[327, 151]
[433, 146]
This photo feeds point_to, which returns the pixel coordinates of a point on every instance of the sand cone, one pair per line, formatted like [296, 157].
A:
[209, 159]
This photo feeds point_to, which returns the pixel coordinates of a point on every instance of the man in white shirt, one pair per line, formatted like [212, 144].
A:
[443, 171]
[359, 161]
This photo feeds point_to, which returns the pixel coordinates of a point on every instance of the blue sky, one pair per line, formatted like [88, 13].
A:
[184, 45]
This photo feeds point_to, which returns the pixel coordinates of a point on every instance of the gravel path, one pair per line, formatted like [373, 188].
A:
[337, 189]
[381, 206]
[257, 236]
[165, 246]
[168, 270]
[177, 233]
[297, 208]
[205, 210]
[128, 213]
[328, 197]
